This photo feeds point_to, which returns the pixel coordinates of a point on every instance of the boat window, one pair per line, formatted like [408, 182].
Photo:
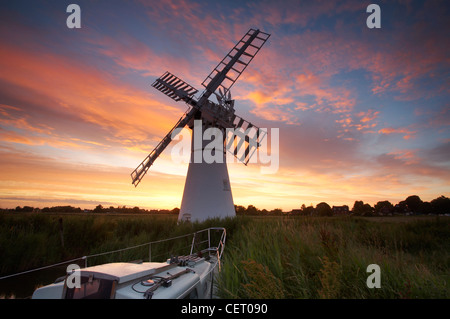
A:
[92, 288]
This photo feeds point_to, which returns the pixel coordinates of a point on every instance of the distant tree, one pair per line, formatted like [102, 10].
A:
[441, 205]
[357, 208]
[323, 209]
[240, 210]
[276, 212]
[383, 208]
[98, 209]
[414, 202]
[25, 209]
[361, 209]
[401, 208]
[308, 211]
[426, 208]
[252, 210]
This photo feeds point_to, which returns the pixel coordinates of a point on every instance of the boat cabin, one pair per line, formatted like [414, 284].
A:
[184, 277]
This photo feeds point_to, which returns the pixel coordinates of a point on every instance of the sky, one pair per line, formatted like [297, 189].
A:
[362, 114]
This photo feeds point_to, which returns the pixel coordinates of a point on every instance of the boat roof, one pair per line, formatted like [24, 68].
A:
[123, 272]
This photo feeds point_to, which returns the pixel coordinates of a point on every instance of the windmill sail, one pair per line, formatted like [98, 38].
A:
[142, 169]
[174, 87]
[243, 139]
[235, 62]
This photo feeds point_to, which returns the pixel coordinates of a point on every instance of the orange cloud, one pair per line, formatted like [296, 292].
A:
[389, 130]
[40, 181]
[82, 92]
[328, 98]
[363, 122]
[368, 116]
[21, 122]
[407, 156]
[13, 137]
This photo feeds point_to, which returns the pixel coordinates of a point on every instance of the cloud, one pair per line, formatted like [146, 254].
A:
[408, 134]
[10, 118]
[327, 98]
[132, 54]
[363, 122]
[82, 93]
[40, 180]
[368, 116]
[407, 164]
[440, 154]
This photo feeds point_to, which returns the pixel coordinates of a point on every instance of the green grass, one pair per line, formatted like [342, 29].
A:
[273, 257]
[327, 258]
[33, 240]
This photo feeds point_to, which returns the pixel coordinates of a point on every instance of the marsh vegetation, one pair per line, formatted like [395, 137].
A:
[265, 257]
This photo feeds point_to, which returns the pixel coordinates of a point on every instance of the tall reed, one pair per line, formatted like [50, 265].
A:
[315, 257]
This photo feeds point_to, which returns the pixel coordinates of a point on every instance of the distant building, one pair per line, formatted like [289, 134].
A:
[340, 210]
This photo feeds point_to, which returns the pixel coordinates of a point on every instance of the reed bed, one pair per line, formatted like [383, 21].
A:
[310, 257]
[265, 257]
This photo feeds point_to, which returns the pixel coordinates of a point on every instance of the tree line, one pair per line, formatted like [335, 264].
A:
[98, 209]
[412, 205]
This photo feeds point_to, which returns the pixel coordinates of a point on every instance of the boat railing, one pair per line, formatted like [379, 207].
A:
[195, 246]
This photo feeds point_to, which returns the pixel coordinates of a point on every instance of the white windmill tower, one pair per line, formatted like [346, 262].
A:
[207, 191]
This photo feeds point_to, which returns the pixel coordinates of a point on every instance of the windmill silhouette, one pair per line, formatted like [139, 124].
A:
[207, 191]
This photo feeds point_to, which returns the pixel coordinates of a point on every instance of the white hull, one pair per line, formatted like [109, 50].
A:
[130, 281]
[189, 276]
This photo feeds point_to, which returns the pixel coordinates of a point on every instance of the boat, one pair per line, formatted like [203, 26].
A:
[188, 276]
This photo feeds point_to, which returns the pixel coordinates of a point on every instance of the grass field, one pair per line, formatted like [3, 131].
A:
[328, 258]
[265, 257]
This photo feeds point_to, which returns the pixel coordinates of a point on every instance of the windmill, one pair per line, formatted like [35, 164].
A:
[207, 191]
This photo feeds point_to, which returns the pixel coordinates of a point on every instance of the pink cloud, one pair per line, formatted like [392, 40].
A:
[409, 157]
[80, 91]
[368, 116]
[20, 120]
[408, 134]
[362, 121]
[328, 98]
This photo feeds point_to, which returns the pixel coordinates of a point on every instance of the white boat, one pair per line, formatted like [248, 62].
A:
[190, 276]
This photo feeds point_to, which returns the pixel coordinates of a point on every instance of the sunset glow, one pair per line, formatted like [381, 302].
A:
[363, 114]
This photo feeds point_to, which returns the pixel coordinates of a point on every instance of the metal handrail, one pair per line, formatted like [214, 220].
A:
[221, 245]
